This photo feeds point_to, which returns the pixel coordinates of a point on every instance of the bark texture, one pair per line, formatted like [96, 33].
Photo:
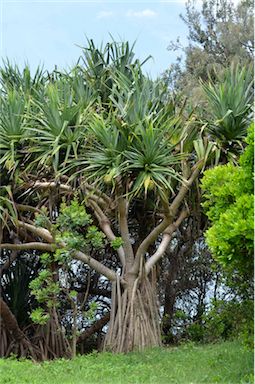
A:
[134, 320]
[13, 340]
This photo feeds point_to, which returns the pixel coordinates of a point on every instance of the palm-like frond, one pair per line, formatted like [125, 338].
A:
[133, 142]
[13, 129]
[105, 150]
[151, 161]
[230, 104]
[15, 286]
[58, 128]
[137, 97]
[11, 77]
[8, 211]
[99, 65]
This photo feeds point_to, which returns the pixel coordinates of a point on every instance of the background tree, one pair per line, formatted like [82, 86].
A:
[229, 109]
[219, 33]
[213, 48]
[225, 116]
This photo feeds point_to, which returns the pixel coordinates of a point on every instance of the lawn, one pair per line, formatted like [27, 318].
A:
[188, 364]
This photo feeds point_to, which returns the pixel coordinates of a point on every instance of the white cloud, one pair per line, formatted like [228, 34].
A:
[104, 14]
[144, 13]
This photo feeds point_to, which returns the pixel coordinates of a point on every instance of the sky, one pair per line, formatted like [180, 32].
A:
[51, 33]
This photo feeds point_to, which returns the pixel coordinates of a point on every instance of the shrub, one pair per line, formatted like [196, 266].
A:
[228, 320]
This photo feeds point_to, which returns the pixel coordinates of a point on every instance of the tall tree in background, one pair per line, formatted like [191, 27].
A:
[220, 38]
[219, 33]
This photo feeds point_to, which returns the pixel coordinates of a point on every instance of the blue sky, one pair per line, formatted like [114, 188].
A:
[48, 32]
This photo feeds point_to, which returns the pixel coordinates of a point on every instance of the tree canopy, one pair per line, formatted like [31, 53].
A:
[219, 33]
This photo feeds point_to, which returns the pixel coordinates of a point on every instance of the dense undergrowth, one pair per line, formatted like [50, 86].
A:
[226, 362]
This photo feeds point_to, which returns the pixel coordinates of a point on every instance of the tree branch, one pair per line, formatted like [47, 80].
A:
[153, 235]
[104, 224]
[46, 235]
[183, 191]
[98, 200]
[169, 217]
[124, 231]
[78, 255]
[38, 231]
[23, 207]
[96, 265]
[65, 187]
[97, 326]
[52, 185]
[25, 246]
[99, 193]
[166, 238]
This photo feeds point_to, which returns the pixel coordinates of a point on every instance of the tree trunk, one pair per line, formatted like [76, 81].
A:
[10, 321]
[134, 319]
[51, 339]
[20, 345]
[170, 295]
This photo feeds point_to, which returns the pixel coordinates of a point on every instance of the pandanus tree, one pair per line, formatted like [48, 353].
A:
[134, 151]
[229, 108]
[104, 154]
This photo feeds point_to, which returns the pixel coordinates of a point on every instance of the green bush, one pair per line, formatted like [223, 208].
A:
[229, 204]
[195, 332]
[228, 320]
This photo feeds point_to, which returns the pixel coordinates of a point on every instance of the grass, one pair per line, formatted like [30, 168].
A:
[188, 364]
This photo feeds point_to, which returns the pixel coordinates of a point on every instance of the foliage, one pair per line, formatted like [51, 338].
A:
[86, 148]
[12, 129]
[216, 363]
[133, 143]
[11, 77]
[15, 286]
[117, 242]
[54, 138]
[42, 219]
[230, 319]
[46, 291]
[38, 316]
[219, 32]
[46, 287]
[71, 222]
[101, 65]
[90, 313]
[230, 100]
[228, 193]
[73, 215]
[7, 207]
[225, 320]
